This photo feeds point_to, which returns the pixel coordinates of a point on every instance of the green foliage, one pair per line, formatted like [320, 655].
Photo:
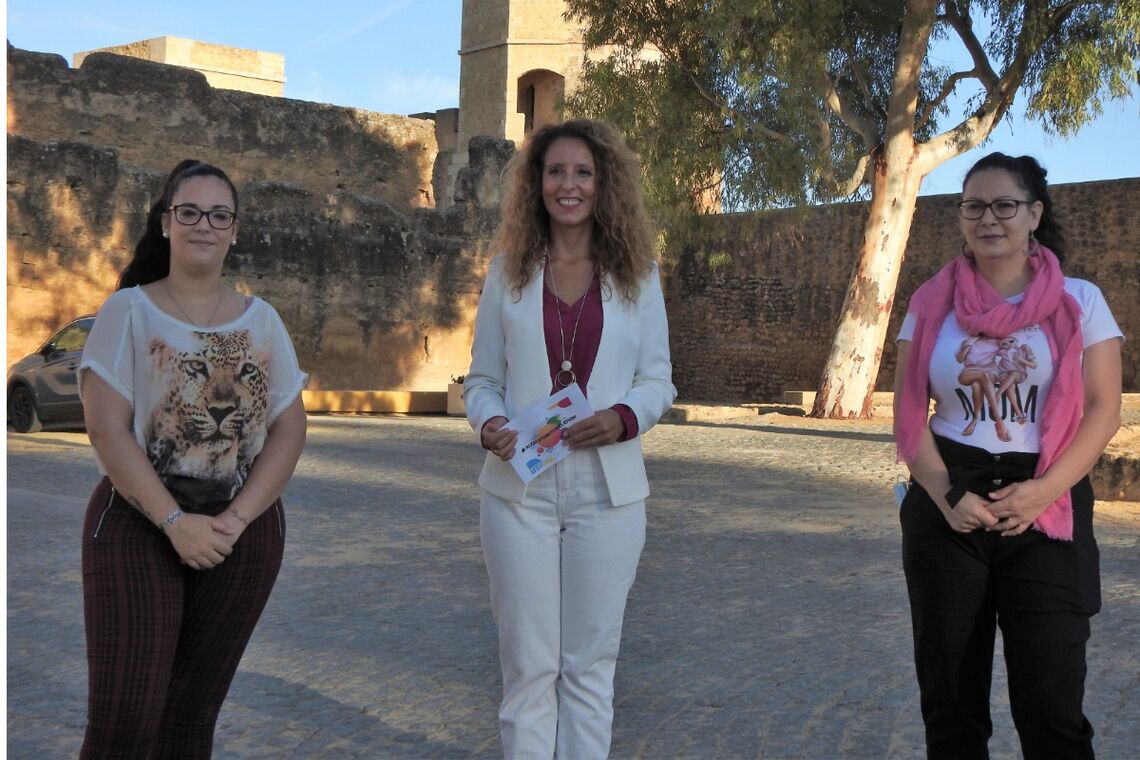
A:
[1093, 56]
[719, 259]
[735, 110]
[763, 103]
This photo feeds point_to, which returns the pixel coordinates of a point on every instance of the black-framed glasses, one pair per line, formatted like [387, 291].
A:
[1003, 208]
[187, 214]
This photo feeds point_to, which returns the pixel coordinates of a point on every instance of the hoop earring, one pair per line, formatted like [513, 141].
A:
[1034, 247]
[966, 251]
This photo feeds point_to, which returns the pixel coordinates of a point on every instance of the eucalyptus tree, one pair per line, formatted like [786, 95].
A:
[761, 103]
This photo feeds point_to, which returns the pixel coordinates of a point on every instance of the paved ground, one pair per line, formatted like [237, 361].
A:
[769, 616]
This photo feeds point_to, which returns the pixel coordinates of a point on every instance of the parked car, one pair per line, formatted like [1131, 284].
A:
[43, 388]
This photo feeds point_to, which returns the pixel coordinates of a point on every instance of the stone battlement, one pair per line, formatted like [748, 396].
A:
[223, 66]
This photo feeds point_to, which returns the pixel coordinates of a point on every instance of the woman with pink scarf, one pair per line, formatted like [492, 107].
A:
[997, 524]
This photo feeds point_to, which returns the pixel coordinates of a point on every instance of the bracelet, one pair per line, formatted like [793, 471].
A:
[170, 520]
[241, 519]
[954, 495]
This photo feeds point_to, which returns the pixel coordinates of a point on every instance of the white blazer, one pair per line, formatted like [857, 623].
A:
[510, 371]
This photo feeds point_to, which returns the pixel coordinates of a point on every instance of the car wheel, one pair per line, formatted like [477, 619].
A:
[22, 415]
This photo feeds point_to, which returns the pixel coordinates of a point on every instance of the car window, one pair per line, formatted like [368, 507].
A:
[73, 337]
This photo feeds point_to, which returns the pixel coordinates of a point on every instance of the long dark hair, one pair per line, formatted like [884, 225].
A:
[151, 261]
[1030, 177]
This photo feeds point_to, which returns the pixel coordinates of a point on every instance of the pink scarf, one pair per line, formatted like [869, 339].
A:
[981, 311]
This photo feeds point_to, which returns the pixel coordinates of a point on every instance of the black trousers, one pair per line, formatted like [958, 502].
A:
[1041, 591]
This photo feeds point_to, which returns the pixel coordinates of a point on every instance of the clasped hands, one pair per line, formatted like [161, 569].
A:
[599, 429]
[1010, 510]
[202, 541]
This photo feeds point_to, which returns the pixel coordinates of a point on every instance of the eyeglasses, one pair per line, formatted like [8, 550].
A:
[1003, 208]
[189, 215]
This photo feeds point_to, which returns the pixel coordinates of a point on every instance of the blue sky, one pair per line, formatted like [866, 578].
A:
[400, 56]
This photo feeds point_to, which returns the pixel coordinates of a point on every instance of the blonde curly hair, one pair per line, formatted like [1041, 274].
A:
[623, 236]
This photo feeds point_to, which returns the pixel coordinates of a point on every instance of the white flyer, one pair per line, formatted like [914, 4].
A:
[540, 443]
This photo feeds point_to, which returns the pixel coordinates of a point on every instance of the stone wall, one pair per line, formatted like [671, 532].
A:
[377, 288]
[154, 114]
[374, 297]
[754, 299]
[223, 66]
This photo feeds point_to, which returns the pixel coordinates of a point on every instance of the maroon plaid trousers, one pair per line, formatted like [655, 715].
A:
[164, 640]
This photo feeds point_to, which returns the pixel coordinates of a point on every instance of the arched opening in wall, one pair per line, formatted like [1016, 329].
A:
[539, 92]
[527, 109]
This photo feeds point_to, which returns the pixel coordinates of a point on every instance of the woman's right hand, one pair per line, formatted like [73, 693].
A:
[200, 540]
[970, 514]
[498, 441]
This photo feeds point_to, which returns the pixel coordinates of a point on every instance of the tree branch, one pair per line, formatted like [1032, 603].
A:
[835, 103]
[963, 25]
[857, 178]
[861, 83]
[721, 104]
[948, 87]
[902, 104]
[1000, 91]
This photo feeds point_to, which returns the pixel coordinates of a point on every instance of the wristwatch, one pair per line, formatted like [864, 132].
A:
[954, 495]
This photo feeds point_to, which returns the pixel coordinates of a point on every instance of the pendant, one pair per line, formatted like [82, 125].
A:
[565, 378]
[566, 365]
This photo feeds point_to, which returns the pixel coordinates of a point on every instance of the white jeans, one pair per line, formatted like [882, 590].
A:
[561, 564]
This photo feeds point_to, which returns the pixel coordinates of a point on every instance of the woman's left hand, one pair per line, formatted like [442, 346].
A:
[1017, 505]
[235, 524]
[602, 428]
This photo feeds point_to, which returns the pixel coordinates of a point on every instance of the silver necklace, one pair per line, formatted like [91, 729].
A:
[567, 367]
[213, 314]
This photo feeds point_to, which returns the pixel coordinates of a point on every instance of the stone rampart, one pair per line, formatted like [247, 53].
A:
[373, 296]
[223, 66]
[379, 290]
[754, 299]
[154, 114]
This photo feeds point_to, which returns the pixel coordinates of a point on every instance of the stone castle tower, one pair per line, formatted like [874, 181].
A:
[517, 59]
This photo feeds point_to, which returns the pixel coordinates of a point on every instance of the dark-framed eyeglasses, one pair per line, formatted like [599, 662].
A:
[1003, 208]
[188, 214]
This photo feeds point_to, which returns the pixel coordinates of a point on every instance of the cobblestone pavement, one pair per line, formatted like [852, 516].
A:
[769, 617]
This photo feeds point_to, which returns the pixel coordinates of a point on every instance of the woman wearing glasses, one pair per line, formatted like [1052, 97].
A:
[997, 526]
[192, 396]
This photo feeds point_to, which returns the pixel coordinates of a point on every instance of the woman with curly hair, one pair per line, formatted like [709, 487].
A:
[573, 296]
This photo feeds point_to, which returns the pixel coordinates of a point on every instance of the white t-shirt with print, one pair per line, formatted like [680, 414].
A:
[992, 393]
[202, 398]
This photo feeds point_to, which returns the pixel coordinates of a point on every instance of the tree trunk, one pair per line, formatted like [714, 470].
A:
[848, 381]
[849, 375]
